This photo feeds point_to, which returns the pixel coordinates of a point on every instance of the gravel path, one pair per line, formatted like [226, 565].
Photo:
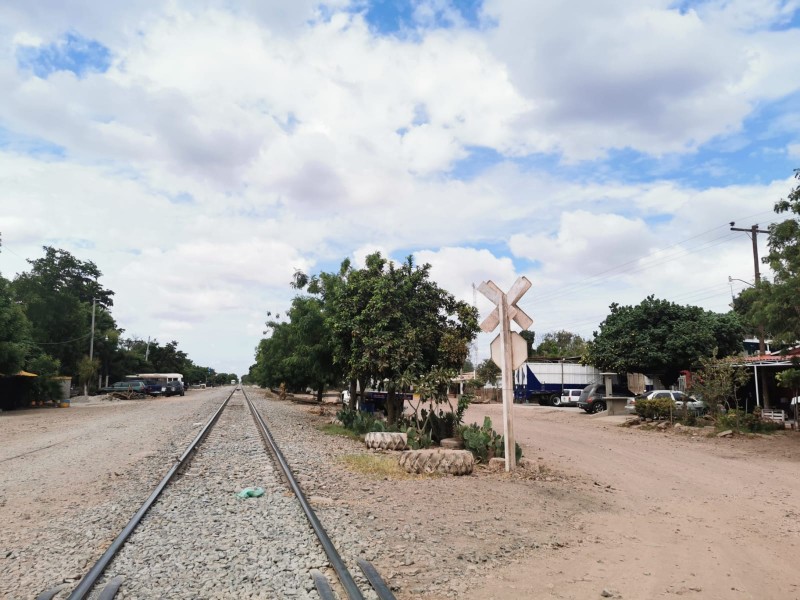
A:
[70, 479]
[201, 541]
[639, 514]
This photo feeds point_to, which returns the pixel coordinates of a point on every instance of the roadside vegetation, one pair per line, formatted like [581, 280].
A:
[377, 466]
[45, 328]
[384, 324]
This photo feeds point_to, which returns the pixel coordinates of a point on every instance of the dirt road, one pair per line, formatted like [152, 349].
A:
[638, 514]
[676, 514]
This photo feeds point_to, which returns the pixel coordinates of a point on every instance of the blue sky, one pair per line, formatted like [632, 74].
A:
[599, 151]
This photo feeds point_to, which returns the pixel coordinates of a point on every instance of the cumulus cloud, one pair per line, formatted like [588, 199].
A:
[642, 75]
[221, 147]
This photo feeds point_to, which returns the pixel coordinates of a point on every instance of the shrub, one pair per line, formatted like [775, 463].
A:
[417, 440]
[484, 442]
[656, 408]
[739, 420]
[359, 422]
[438, 424]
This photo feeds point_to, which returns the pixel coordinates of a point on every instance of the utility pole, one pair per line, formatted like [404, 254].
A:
[753, 232]
[147, 349]
[475, 343]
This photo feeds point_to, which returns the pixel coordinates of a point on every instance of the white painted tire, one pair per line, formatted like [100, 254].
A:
[385, 440]
[451, 462]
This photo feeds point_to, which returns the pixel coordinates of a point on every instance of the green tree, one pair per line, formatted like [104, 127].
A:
[386, 324]
[44, 387]
[661, 338]
[409, 326]
[561, 344]
[487, 372]
[57, 297]
[167, 358]
[716, 381]
[87, 371]
[529, 337]
[15, 332]
[299, 352]
[790, 379]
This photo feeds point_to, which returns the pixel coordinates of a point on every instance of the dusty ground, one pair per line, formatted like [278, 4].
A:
[673, 514]
[639, 514]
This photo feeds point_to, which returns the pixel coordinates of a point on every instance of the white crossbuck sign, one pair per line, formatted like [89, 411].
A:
[509, 349]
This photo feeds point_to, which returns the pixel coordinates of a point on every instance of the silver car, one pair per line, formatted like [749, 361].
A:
[677, 397]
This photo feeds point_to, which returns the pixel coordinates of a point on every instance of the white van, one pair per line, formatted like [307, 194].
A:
[567, 398]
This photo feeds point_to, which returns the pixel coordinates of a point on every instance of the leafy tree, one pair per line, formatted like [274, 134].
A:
[57, 297]
[44, 387]
[15, 332]
[87, 370]
[167, 358]
[529, 337]
[385, 323]
[408, 327]
[487, 372]
[561, 344]
[299, 352]
[791, 379]
[661, 338]
[717, 381]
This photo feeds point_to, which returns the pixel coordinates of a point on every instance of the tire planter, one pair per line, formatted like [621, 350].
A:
[451, 462]
[383, 440]
[452, 444]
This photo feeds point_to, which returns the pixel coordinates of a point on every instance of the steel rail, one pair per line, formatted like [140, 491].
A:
[378, 584]
[345, 578]
[87, 582]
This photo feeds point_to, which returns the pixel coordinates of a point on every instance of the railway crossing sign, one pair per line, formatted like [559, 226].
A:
[519, 350]
[509, 349]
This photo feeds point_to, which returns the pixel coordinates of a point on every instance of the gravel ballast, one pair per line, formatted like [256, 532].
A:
[200, 540]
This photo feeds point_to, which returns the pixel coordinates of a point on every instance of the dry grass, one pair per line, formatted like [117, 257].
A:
[334, 429]
[376, 466]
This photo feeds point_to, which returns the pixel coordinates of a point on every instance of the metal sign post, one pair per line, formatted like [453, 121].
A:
[509, 349]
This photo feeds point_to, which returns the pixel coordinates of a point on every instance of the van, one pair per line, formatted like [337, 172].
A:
[567, 398]
[592, 398]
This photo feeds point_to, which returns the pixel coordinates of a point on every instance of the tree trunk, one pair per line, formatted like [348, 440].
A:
[353, 392]
[319, 393]
[391, 408]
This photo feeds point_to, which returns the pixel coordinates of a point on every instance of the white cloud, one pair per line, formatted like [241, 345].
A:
[457, 269]
[639, 75]
[226, 147]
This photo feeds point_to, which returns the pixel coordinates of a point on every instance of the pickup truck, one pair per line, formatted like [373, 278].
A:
[372, 401]
[153, 387]
[173, 388]
[125, 386]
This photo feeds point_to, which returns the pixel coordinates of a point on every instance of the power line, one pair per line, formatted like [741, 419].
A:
[83, 337]
[597, 279]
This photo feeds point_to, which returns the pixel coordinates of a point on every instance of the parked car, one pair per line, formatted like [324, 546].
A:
[154, 388]
[698, 406]
[567, 398]
[173, 388]
[593, 396]
[125, 386]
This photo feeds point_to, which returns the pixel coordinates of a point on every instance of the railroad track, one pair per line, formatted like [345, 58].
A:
[201, 541]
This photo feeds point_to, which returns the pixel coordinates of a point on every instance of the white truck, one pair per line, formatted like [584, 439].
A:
[557, 383]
